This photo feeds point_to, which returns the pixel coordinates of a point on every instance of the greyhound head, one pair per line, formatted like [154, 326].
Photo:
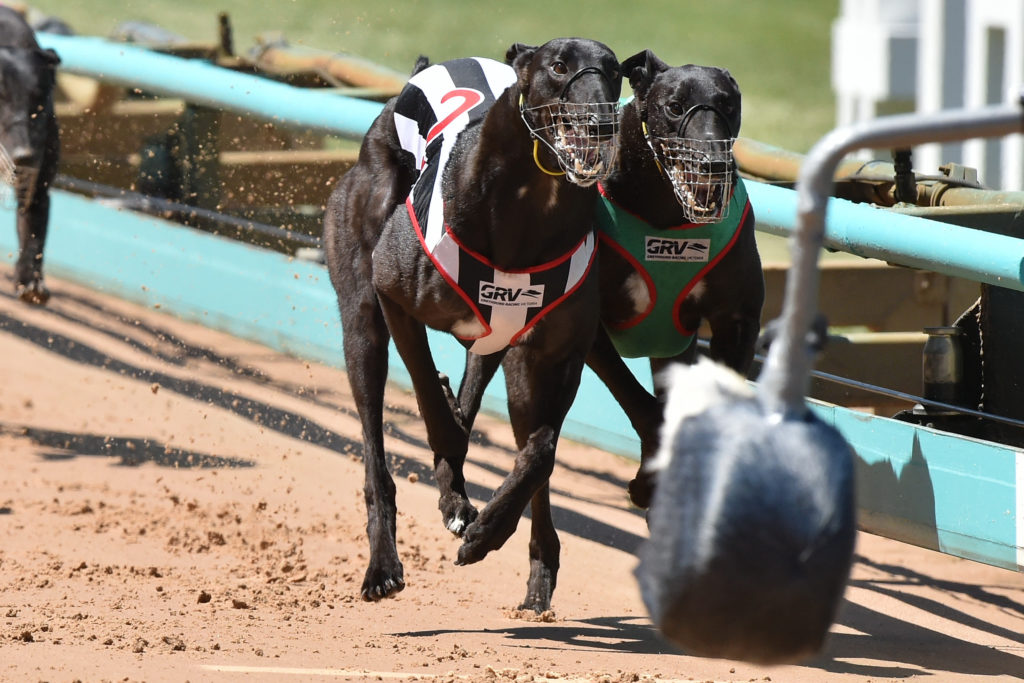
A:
[568, 97]
[691, 117]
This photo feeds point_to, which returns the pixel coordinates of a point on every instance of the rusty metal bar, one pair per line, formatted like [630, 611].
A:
[338, 67]
[877, 178]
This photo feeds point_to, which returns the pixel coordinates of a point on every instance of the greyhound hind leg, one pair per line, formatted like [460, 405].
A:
[641, 407]
[544, 552]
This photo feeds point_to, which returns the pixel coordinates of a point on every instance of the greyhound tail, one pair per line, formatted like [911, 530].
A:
[422, 62]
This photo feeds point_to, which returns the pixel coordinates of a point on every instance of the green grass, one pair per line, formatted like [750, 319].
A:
[778, 50]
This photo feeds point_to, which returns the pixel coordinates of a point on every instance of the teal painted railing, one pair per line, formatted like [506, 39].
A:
[201, 82]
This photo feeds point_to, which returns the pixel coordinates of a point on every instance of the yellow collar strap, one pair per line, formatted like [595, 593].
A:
[536, 141]
[536, 160]
[650, 144]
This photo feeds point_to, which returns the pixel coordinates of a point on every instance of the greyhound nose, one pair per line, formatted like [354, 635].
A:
[714, 166]
[605, 122]
[600, 126]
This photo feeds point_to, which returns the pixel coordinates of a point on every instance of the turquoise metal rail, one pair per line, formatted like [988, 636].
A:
[940, 491]
[204, 83]
[899, 238]
[785, 375]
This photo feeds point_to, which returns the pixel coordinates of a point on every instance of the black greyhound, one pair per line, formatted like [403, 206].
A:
[518, 190]
[674, 207]
[677, 239]
[29, 144]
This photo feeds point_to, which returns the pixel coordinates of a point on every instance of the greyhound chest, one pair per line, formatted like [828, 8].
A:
[670, 262]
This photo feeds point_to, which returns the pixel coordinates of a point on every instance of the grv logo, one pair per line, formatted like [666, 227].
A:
[665, 249]
[511, 297]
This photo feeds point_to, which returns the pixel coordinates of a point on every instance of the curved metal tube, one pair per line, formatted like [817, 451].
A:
[784, 379]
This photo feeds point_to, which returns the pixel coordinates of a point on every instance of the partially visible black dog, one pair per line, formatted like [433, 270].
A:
[505, 269]
[677, 239]
[30, 144]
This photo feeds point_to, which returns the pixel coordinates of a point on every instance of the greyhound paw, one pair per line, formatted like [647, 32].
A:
[539, 587]
[457, 513]
[641, 488]
[480, 538]
[33, 293]
[381, 582]
[471, 552]
[538, 604]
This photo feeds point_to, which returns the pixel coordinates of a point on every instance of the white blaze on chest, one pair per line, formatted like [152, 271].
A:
[550, 199]
[525, 337]
[468, 328]
[635, 288]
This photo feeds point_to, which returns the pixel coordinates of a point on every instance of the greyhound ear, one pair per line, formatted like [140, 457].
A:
[422, 62]
[728, 75]
[518, 51]
[641, 69]
[519, 56]
[739, 100]
[631, 63]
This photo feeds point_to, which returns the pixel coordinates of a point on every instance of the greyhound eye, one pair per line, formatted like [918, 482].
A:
[675, 109]
[560, 68]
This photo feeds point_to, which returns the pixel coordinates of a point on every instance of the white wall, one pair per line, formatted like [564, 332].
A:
[929, 55]
[873, 58]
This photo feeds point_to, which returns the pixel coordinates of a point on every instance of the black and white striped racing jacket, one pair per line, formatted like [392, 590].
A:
[434, 107]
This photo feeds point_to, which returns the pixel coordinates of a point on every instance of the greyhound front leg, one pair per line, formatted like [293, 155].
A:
[499, 519]
[447, 436]
[539, 396]
[32, 226]
[478, 374]
[733, 338]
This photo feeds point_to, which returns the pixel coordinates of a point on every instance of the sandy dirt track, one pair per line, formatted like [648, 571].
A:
[177, 504]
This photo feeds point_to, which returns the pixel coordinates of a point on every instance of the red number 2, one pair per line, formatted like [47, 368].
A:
[470, 99]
